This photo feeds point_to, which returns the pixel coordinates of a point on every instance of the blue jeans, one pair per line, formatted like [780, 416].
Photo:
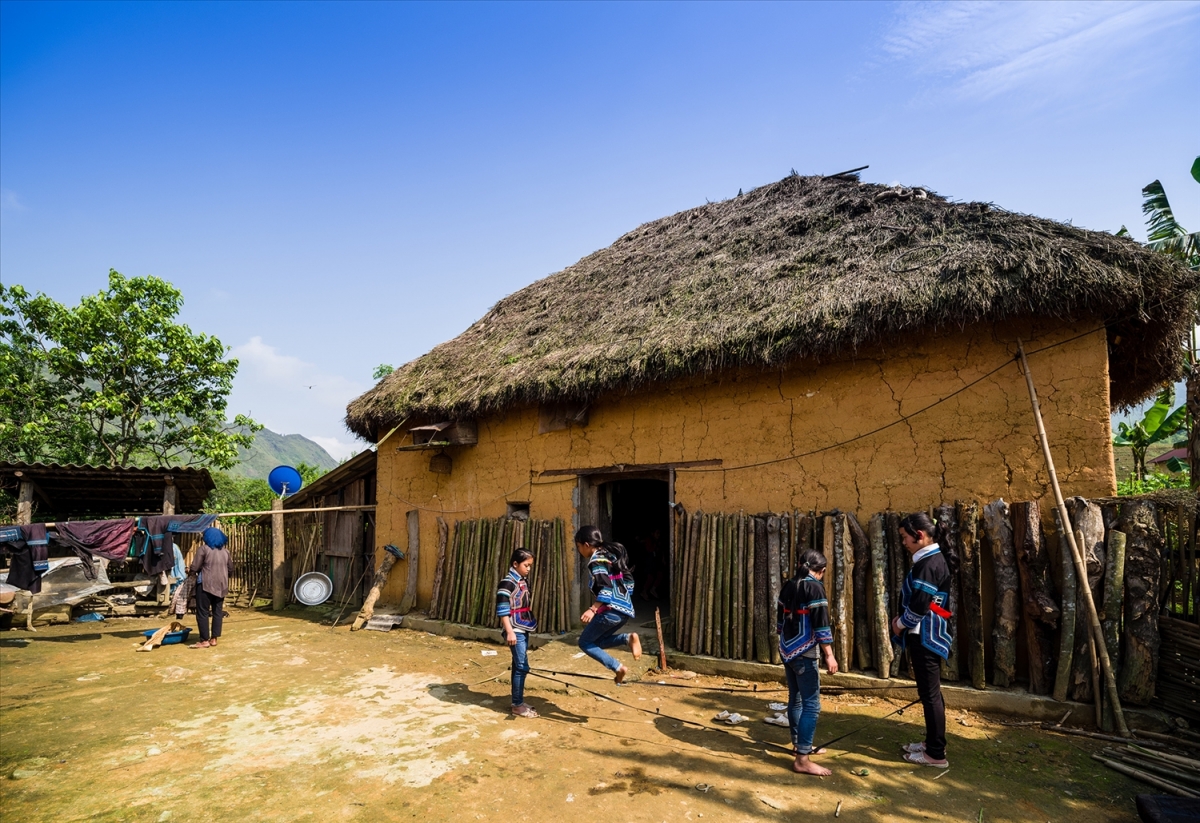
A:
[804, 700]
[601, 634]
[520, 667]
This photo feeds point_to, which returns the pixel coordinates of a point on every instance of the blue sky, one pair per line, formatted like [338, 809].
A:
[338, 185]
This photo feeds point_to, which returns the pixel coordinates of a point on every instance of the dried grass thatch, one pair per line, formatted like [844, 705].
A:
[804, 267]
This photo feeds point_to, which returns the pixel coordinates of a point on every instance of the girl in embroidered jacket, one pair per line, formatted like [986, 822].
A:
[802, 621]
[925, 600]
[612, 590]
[517, 621]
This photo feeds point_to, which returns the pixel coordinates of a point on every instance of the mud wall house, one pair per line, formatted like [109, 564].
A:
[813, 344]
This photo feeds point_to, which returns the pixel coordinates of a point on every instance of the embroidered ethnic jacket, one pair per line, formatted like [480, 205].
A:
[612, 589]
[513, 601]
[802, 617]
[925, 598]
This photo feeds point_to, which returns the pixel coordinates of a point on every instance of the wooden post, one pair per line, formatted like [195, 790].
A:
[1066, 641]
[863, 621]
[25, 518]
[898, 563]
[278, 583]
[1007, 602]
[170, 495]
[1080, 570]
[776, 585]
[879, 601]
[1040, 610]
[25, 503]
[662, 647]
[413, 557]
[763, 610]
[1087, 520]
[947, 520]
[970, 610]
[1140, 639]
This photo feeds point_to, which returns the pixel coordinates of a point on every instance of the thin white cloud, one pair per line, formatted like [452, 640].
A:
[10, 202]
[291, 396]
[1045, 49]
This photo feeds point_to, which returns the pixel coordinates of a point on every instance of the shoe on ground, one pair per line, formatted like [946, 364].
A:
[778, 720]
[913, 748]
[922, 759]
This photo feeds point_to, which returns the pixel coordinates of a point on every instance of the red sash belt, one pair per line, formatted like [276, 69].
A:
[939, 611]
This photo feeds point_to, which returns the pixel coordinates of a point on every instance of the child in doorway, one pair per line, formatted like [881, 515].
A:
[517, 620]
[802, 617]
[612, 590]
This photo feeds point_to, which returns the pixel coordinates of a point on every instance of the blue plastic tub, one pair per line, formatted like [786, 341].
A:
[170, 638]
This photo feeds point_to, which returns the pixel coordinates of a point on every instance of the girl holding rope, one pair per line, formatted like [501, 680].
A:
[802, 618]
[925, 598]
[612, 588]
[517, 621]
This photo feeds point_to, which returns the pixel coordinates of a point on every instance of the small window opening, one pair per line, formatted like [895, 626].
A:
[518, 511]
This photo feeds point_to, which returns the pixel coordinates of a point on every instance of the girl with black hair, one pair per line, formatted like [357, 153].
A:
[925, 599]
[517, 621]
[802, 621]
[612, 588]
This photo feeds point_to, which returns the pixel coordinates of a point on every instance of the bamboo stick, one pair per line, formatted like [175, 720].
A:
[721, 615]
[1145, 778]
[748, 541]
[762, 589]
[693, 604]
[710, 562]
[737, 634]
[1081, 570]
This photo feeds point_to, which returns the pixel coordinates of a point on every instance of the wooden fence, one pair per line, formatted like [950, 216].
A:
[474, 561]
[1015, 605]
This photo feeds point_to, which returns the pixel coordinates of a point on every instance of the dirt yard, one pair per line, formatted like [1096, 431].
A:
[291, 720]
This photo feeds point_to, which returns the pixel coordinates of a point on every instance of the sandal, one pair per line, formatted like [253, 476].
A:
[922, 759]
[524, 710]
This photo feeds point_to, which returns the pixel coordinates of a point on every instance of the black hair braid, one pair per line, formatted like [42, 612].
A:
[810, 561]
[922, 522]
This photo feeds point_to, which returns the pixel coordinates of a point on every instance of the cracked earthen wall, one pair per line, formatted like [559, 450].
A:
[980, 444]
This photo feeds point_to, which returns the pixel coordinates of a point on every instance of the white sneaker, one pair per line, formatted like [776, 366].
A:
[778, 720]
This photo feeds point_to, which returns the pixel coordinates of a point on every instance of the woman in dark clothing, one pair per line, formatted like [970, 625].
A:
[925, 599]
[211, 565]
[802, 621]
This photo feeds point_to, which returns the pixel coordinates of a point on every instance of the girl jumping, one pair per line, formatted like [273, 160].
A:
[612, 589]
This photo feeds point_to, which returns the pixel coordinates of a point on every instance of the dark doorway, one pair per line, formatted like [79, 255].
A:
[640, 520]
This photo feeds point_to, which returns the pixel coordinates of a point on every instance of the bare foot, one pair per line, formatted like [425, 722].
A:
[803, 765]
[203, 644]
[620, 675]
[635, 644]
[212, 642]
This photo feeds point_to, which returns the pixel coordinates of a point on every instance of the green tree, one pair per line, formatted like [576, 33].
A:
[114, 381]
[382, 371]
[1156, 425]
[309, 474]
[238, 494]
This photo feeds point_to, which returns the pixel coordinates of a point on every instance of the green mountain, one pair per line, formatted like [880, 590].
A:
[270, 450]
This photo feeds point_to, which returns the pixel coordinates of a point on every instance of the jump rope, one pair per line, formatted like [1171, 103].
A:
[550, 674]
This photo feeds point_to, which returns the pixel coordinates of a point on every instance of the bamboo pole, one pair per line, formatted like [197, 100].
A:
[774, 583]
[693, 603]
[737, 623]
[1080, 569]
[721, 614]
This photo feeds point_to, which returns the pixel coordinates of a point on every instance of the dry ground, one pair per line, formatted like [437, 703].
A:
[291, 720]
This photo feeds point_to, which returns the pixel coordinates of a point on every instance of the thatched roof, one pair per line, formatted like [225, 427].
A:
[805, 267]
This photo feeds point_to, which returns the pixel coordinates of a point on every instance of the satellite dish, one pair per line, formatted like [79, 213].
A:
[284, 480]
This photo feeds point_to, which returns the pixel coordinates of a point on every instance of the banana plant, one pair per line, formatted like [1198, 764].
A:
[1158, 424]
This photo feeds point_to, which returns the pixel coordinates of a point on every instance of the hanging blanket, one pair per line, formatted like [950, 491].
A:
[30, 557]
